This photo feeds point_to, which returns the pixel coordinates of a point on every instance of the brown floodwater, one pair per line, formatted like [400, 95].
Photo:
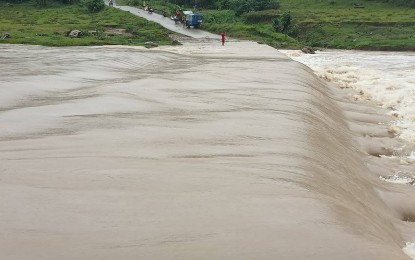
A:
[199, 151]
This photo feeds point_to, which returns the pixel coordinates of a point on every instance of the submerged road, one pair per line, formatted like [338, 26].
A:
[182, 152]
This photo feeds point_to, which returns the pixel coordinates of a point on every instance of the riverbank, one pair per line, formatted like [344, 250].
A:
[326, 24]
[118, 151]
[364, 25]
[378, 26]
[51, 25]
[115, 155]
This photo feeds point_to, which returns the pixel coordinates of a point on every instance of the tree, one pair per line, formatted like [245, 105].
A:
[244, 6]
[41, 3]
[94, 6]
[282, 24]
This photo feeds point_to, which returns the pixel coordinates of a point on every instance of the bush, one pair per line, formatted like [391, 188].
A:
[134, 2]
[12, 1]
[409, 3]
[99, 32]
[293, 31]
[223, 4]
[69, 2]
[286, 21]
[240, 6]
[204, 3]
[41, 3]
[259, 5]
[282, 24]
[220, 17]
[260, 16]
[245, 6]
[94, 6]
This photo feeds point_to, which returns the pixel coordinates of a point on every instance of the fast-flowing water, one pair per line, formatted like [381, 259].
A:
[384, 79]
[198, 151]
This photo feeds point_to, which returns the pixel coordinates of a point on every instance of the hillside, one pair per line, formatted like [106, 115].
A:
[343, 24]
[333, 24]
[28, 23]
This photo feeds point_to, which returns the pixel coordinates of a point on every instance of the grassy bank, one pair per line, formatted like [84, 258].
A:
[343, 24]
[330, 24]
[50, 26]
[371, 25]
[242, 28]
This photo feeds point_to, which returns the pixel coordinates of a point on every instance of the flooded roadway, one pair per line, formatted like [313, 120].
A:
[199, 151]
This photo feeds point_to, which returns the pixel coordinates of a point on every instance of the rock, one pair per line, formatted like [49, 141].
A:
[150, 44]
[358, 5]
[75, 33]
[308, 50]
[5, 35]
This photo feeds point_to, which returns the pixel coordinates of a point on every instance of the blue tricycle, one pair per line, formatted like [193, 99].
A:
[193, 19]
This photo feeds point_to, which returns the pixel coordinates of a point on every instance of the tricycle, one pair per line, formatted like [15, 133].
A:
[193, 19]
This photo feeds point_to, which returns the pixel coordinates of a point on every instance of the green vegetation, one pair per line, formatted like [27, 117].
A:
[238, 27]
[95, 6]
[409, 3]
[51, 25]
[346, 24]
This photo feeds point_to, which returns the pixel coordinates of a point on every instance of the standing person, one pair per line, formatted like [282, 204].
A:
[223, 38]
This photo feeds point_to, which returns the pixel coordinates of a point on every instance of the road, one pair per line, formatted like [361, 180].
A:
[168, 23]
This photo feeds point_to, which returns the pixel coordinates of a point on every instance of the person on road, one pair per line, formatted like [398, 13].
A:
[223, 38]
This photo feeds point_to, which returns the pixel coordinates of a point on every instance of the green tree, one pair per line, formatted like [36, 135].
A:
[259, 5]
[41, 3]
[94, 6]
[244, 6]
[283, 24]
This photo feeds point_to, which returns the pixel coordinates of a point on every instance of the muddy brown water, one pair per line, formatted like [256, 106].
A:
[199, 151]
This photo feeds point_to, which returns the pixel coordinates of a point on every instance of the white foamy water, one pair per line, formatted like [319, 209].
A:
[385, 79]
[409, 249]
[398, 179]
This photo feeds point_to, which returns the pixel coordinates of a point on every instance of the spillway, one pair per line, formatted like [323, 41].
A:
[197, 151]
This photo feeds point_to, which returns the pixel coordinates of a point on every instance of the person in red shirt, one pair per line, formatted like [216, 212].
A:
[223, 38]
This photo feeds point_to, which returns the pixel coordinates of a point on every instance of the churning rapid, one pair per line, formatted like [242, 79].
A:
[198, 151]
[385, 79]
